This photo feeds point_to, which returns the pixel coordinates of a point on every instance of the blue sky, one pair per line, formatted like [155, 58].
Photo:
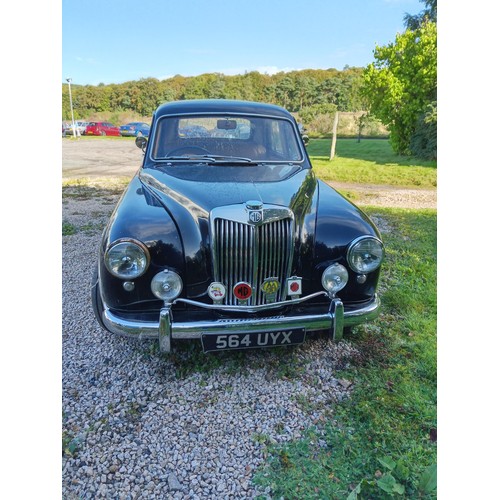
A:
[114, 41]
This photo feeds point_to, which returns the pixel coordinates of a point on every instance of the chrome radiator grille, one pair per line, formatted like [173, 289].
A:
[249, 252]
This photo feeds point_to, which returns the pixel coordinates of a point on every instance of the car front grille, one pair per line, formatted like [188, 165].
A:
[251, 253]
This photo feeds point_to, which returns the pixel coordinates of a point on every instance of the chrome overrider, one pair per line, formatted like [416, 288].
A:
[167, 329]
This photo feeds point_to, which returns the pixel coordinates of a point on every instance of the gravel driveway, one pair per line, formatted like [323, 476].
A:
[137, 424]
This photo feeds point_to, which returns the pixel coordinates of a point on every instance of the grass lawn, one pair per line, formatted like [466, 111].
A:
[381, 442]
[370, 161]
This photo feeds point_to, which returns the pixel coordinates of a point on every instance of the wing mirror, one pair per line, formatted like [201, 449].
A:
[141, 143]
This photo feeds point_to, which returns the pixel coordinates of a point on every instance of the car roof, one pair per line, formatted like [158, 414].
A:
[221, 106]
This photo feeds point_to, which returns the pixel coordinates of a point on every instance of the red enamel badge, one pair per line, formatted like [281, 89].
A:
[242, 291]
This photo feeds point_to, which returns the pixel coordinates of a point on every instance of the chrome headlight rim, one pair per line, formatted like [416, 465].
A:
[132, 241]
[352, 248]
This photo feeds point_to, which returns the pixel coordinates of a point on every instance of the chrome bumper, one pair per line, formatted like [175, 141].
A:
[167, 329]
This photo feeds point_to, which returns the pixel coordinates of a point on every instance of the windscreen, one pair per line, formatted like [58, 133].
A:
[263, 139]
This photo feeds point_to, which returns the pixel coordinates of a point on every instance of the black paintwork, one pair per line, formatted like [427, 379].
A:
[167, 207]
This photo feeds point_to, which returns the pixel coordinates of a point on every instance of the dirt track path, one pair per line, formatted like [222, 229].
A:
[96, 157]
[389, 196]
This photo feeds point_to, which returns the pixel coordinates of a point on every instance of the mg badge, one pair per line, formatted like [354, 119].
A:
[255, 216]
[254, 208]
[242, 291]
[270, 287]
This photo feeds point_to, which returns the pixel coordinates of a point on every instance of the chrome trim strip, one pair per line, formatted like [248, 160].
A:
[251, 309]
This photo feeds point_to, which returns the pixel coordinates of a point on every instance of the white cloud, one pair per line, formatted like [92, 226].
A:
[272, 70]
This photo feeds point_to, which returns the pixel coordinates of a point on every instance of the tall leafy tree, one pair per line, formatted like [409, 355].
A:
[402, 82]
[428, 14]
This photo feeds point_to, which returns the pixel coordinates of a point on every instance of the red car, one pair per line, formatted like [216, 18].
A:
[102, 128]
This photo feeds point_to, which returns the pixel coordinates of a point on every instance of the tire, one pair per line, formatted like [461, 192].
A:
[97, 304]
[103, 133]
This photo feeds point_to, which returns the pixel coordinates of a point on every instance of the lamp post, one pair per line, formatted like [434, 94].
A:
[71, 106]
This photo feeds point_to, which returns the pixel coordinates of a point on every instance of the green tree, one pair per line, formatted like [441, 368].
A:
[284, 91]
[304, 92]
[295, 90]
[428, 14]
[402, 82]
[424, 141]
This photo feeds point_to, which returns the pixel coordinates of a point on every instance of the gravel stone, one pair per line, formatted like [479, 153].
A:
[173, 483]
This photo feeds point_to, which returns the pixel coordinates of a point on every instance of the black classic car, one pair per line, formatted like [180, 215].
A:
[225, 235]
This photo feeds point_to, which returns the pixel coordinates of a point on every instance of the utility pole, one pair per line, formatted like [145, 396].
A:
[71, 106]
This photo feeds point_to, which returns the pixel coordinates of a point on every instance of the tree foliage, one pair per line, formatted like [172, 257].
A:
[429, 14]
[402, 82]
[424, 140]
[294, 90]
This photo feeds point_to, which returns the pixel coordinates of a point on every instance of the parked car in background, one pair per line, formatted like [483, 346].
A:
[80, 127]
[231, 239]
[135, 129]
[102, 128]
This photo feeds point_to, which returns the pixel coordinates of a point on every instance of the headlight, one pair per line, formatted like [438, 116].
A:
[166, 285]
[127, 259]
[334, 278]
[365, 254]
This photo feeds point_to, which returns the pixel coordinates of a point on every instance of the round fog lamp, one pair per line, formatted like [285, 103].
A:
[166, 285]
[334, 278]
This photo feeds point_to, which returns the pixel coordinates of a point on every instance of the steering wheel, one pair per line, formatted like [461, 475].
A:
[188, 149]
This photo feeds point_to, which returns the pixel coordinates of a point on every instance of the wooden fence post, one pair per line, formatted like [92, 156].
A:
[334, 134]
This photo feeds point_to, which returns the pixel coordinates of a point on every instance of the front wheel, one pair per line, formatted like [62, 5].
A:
[103, 132]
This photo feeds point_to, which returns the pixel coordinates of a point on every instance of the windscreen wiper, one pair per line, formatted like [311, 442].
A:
[189, 158]
[218, 159]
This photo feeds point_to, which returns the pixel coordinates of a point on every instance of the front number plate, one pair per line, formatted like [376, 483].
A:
[252, 340]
